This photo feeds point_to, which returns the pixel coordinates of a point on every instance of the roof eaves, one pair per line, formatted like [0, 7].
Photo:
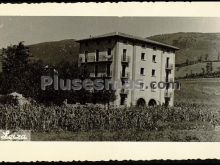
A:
[130, 37]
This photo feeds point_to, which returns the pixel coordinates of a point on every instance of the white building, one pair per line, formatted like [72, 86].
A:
[120, 56]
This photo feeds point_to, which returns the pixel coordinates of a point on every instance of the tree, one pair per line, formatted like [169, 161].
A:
[187, 61]
[209, 67]
[218, 56]
[24, 76]
[105, 96]
[206, 56]
[108, 96]
[200, 59]
[14, 65]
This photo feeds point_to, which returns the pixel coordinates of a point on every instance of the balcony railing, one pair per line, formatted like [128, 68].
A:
[100, 75]
[92, 75]
[104, 58]
[168, 94]
[169, 66]
[90, 59]
[125, 59]
[124, 91]
[100, 59]
[125, 75]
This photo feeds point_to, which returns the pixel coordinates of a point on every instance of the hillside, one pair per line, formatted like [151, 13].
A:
[200, 91]
[192, 45]
[56, 51]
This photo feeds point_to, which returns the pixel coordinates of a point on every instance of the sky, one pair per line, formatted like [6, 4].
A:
[32, 30]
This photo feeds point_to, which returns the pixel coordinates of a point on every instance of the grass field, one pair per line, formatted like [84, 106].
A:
[168, 135]
[132, 135]
[200, 91]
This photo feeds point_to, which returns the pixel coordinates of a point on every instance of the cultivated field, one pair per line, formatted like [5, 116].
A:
[195, 117]
[184, 122]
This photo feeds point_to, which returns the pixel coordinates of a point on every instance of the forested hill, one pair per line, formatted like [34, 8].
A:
[193, 46]
[56, 51]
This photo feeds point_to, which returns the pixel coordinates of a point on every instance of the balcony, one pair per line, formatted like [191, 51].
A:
[168, 94]
[125, 59]
[124, 75]
[169, 66]
[102, 75]
[99, 75]
[124, 91]
[92, 75]
[92, 59]
[104, 58]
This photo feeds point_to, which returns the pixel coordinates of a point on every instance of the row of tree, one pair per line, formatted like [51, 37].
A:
[200, 59]
[22, 75]
[201, 75]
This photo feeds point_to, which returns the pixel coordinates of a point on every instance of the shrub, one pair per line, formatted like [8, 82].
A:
[8, 99]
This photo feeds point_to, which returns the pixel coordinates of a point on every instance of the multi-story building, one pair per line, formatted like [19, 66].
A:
[120, 56]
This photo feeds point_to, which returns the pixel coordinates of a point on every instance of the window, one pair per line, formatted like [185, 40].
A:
[141, 86]
[142, 71]
[167, 62]
[153, 72]
[86, 56]
[122, 101]
[153, 87]
[123, 82]
[154, 58]
[109, 51]
[124, 55]
[97, 55]
[143, 46]
[80, 59]
[108, 70]
[96, 70]
[142, 56]
[123, 70]
[154, 48]
[124, 52]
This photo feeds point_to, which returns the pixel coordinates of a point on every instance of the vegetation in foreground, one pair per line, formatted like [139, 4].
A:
[131, 135]
[111, 123]
[22, 74]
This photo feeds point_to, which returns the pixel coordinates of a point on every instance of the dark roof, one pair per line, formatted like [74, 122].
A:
[130, 37]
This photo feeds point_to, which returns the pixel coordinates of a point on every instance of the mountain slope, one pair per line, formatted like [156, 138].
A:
[56, 51]
[192, 45]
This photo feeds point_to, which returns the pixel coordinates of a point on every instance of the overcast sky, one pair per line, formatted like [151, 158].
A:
[40, 29]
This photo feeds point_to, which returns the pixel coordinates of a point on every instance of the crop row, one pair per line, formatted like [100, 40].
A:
[92, 117]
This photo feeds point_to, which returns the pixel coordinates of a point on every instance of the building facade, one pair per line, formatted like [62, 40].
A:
[126, 58]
